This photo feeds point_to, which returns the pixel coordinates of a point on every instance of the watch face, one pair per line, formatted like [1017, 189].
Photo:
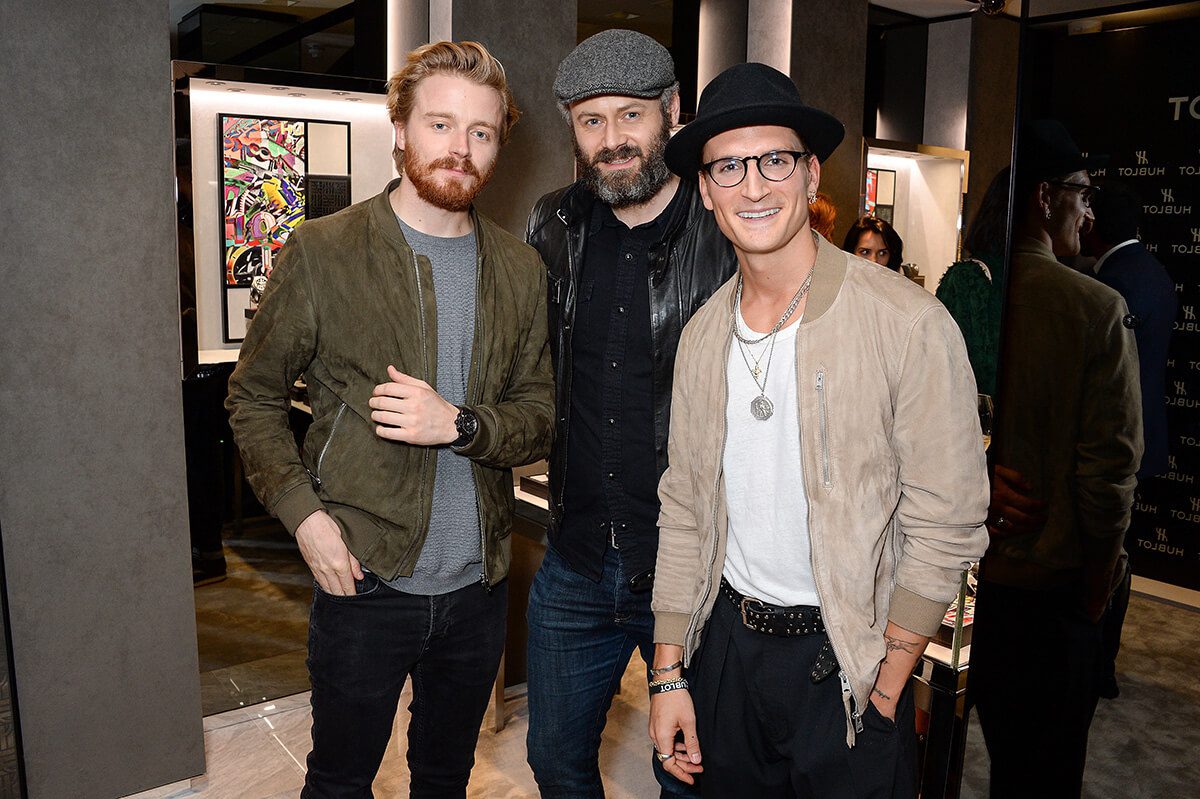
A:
[466, 423]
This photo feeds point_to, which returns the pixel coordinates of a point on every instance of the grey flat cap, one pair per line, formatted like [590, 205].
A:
[615, 61]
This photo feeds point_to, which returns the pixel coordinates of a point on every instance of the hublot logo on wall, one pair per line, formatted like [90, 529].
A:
[1141, 158]
[1175, 476]
[1191, 104]
[1167, 208]
[1180, 388]
[1141, 171]
[1185, 249]
[1161, 544]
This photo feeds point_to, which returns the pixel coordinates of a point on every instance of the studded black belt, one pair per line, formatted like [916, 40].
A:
[773, 619]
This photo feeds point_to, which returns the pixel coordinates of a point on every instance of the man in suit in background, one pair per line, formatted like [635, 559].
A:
[1123, 263]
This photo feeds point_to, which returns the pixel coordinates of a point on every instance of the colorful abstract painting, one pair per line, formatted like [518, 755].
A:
[263, 183]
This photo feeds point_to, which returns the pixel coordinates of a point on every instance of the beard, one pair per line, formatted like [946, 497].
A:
[446, 193]
[630, 187]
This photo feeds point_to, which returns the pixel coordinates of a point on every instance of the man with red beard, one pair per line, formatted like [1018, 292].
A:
[420, 328]
[631, 254]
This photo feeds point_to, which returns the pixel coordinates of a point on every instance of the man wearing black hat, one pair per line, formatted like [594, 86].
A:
[631, 254]
[1066, 447]
[826, 485]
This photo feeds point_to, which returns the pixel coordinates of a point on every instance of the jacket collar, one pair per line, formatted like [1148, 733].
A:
[1030, 245]
[384, 217]
[828, 276]
[577, 203]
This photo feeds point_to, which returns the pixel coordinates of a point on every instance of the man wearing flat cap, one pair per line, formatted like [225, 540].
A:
[1066, 449]
[826, 485]
[631, 253]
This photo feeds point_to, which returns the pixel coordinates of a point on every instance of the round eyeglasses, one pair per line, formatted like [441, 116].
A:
[1087, 192]
[775, 166]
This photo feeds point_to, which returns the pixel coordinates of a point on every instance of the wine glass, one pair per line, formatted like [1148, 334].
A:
[985, 419]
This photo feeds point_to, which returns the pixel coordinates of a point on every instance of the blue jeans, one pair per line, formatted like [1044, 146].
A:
[362, 648]
[581, 636]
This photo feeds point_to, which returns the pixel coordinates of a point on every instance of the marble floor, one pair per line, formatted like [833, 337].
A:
[1143, 745]
[252, 627]
[258, 752]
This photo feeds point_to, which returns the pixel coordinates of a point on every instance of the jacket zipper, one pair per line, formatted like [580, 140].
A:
[854, 718]
[332, 429]
[473, 398]
[824, 428]
[424, 376]
[571, 278]
[712, 560]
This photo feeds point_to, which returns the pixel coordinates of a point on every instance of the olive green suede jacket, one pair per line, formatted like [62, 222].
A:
[348, 297]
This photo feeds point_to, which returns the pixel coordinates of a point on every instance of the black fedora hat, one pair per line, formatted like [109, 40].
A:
[746, 95]
[1047, 151]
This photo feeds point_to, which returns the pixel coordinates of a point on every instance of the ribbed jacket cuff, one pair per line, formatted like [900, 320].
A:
[297, 505]
[915, 613]
[670, 628]
[481, 443]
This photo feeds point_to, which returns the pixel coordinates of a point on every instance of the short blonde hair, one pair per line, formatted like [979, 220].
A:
[470, 60]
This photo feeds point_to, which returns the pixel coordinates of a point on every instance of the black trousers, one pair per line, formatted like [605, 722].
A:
[766, 731]
[362, 648]
[1035, 666]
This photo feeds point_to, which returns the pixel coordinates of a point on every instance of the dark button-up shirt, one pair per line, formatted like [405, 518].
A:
[611, 489]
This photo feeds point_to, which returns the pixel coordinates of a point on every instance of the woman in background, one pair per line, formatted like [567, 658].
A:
[972, 289]
[822, 215]
[876, 240]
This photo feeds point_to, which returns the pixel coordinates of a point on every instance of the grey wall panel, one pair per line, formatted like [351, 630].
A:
[92, 494]
[902, 84]
[829, 65]
[724, 29]
[992, 103]
[947, 84]
[538, 157]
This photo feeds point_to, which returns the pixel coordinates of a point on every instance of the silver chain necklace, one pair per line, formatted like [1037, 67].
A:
[787, 314]
[761, 408]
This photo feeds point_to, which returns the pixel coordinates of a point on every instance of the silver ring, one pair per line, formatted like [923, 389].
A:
[663, 758]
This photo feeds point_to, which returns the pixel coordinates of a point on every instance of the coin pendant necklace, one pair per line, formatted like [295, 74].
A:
[761, 408]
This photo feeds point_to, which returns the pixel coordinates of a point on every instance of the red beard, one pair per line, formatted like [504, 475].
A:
[444, 192]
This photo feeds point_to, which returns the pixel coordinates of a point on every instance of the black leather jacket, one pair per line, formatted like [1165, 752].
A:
[691, 262]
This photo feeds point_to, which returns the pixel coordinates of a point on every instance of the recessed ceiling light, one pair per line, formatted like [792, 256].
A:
[215, 82]
[295, 94]
[279, 88]
[235, 90]
[341, 94]
[354, 99]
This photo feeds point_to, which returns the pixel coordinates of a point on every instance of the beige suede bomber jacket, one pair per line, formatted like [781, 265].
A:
[891, 454]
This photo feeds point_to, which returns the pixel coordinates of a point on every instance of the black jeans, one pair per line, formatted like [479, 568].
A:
[767, 731]
[1033, 679]
[362, 648]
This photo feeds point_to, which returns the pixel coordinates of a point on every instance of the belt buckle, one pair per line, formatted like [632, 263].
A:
[742, 605]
